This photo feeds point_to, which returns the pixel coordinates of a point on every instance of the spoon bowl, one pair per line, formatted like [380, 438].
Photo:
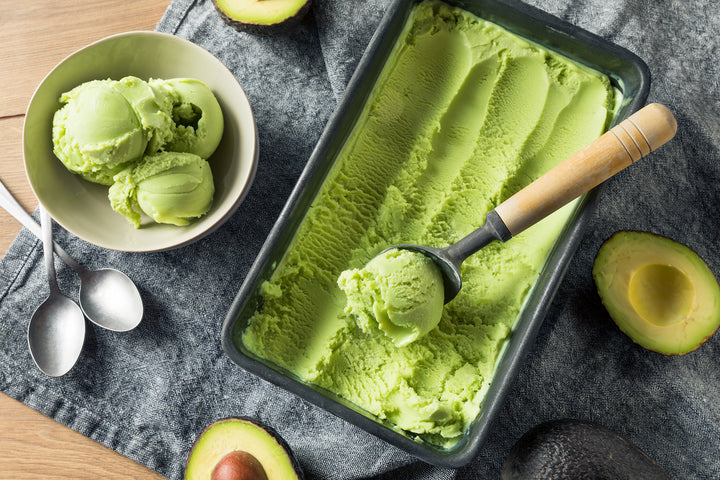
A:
[56, 332]
[110, 299]
[450, 259]
[55, 335]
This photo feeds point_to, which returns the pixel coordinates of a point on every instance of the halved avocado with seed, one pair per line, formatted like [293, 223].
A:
[241, 448]
[262, 17]
[658, 291]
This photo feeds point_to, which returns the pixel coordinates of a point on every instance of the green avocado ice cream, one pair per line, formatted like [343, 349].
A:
[97, 132]
[197, 116]
[170, 187]
[153, 106]
[400, 292]
[463, 115]
[148, 140]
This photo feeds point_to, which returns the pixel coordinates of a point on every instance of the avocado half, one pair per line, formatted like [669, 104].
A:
[570, 449]
[659, 292]
[241, 448]
[262, 17]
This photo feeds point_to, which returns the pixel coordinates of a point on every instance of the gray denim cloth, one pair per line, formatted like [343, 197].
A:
[148, 393]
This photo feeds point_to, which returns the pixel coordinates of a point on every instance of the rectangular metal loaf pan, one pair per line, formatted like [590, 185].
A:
[629, 75]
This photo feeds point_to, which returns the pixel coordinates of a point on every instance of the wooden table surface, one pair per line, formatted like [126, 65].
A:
[35, 35]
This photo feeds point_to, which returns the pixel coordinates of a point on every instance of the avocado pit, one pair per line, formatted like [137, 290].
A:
[239, 465]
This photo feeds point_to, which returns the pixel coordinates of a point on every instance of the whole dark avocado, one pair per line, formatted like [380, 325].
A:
[262, 17]
[241, 448]
[571, 449]
[659, 292]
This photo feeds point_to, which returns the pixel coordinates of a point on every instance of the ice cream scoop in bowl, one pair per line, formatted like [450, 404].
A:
[155, 65]
[638, 135]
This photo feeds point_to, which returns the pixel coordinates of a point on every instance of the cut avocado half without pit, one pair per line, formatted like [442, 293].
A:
[241, 448]
[659, 292]
[262, 17]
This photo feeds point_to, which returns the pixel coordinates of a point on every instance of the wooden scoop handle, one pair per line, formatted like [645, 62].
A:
[627, 142]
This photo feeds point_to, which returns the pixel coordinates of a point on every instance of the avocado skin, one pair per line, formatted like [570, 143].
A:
[262, 29]
[269, 430]
[572, 449]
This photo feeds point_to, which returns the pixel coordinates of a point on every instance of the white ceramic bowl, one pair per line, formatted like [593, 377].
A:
[82, 207]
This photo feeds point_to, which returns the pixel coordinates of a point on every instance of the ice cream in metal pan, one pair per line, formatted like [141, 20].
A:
[400, 292]
[449, 116]
[463, 115]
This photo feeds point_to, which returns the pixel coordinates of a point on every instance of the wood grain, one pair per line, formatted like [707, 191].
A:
[34, 37]
[13, 177]
[35, 447]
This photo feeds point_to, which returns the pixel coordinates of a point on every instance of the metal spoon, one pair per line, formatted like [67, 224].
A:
[56, 332]
[108, 297]
[635, 137]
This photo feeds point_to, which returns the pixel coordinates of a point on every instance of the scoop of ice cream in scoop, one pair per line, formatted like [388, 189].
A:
[170, 187]
[97, 132]
[399, 291]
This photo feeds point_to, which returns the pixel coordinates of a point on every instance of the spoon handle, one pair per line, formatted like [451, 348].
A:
[641, 133]
[47, 240]
[11, 205]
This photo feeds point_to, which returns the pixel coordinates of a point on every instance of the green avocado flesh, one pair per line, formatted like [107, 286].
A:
[261, 12]
[463, 115]
[240, 435]
[658, 291]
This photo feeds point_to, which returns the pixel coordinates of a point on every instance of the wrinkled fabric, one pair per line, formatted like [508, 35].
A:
[148, 393]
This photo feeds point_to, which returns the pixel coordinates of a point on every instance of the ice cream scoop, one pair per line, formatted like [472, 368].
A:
[97, 132]
[147, 140]
[400, 292]
[153, 106]
[197, 115]
[170, 187]
[638, 135]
